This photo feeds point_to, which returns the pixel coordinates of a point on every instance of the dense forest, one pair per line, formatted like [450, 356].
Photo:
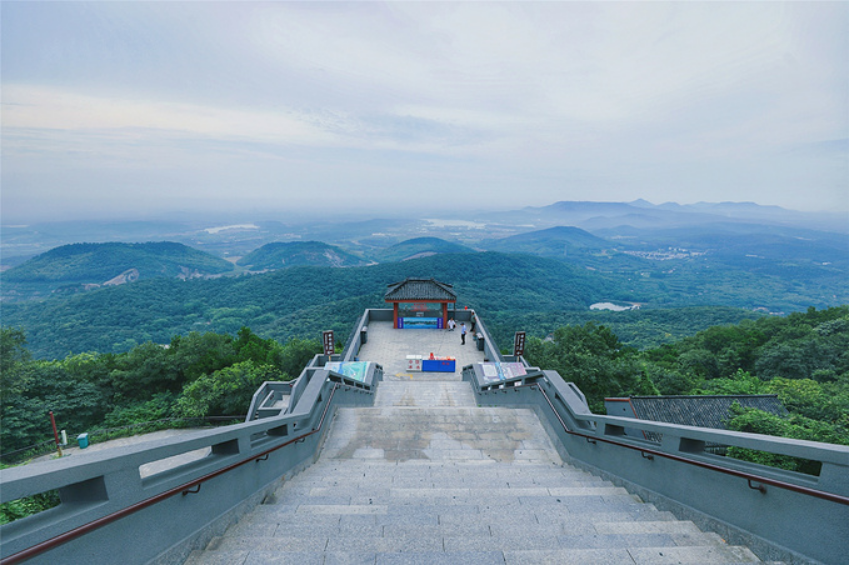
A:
[196, 376]
[803, 358]
[295, 302]
[511, 292]
[416, 248]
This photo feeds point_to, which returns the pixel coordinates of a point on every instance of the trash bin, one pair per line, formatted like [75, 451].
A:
[363, 335]
[480, 339]
[82, 441]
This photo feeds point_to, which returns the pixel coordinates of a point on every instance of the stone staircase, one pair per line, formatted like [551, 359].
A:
[427, 477]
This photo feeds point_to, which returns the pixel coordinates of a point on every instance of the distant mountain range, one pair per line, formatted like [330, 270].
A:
[665, 252]
[279, 255]
[641, 214]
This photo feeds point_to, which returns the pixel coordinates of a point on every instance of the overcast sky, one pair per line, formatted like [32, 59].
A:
[124, 108]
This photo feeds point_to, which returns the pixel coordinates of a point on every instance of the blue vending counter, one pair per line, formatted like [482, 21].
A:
[439, 365]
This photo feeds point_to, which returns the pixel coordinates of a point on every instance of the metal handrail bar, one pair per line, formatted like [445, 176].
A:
[108, 519]
[765, 480]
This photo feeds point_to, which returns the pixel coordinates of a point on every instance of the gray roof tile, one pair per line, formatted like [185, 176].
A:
[420, 289]
[704, 411]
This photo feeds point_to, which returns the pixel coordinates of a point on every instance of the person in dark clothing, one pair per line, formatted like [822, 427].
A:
[463, 333]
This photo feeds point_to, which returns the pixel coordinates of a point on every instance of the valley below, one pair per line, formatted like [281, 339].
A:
[529, 269]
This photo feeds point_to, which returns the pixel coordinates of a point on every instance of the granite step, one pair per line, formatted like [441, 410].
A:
[414, 483]
[419, 393]
[399, 433]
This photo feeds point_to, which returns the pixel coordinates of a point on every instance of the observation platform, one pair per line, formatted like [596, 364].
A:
[390, 347]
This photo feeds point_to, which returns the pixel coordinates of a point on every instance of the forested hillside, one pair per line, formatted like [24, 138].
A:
[803, 358]
[99, 262]
[417, 248]
[198, 375]
[280, 255]
[511, 291]
[558, 241]
[301, 301]
[83, 267]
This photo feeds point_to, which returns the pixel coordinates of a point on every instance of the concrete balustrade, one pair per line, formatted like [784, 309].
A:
[162, 519]
[678, 474]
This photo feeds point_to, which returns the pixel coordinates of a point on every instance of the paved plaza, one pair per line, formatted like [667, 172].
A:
[390, 347]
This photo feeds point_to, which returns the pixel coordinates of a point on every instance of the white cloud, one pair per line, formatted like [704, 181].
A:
[33, 107]
[353, 96]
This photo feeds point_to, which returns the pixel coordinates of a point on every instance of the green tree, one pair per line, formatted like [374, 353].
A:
[77, 405]
[795, 426]
[742, 382]
[159, 407]
[592, 357]
[292, 357]
[13, 354]
[226, 392]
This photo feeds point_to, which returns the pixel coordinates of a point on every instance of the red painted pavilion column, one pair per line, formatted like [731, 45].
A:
[444, 314]
[394, 315]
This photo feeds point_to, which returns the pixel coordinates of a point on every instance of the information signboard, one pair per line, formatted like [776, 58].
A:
[329, 344]
[356, 370]
[519, 344]
[502, 371]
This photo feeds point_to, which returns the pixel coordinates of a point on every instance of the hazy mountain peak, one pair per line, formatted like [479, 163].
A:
[640, 203]
[280, 254]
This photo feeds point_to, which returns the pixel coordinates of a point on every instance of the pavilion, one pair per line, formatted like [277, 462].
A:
[420, 303]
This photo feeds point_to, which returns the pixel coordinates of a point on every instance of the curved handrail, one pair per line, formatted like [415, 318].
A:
[65, 537]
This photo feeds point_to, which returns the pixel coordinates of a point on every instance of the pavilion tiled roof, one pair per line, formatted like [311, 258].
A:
[420, 289]
[703, 411]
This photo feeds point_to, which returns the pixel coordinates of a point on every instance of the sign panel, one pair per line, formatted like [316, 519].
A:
[519, 344]
[329, 344]
[502, 371]
[414, 362]
[356, 370]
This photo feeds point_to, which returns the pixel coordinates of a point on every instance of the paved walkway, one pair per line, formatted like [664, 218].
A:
[390, 348]
[446, 486]
[428, 477]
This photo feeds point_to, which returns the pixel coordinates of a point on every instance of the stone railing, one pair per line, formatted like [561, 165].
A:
[780, 515]
[267, 398]
[156, 501]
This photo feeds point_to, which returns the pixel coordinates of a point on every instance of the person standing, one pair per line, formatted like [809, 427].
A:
[463, 333]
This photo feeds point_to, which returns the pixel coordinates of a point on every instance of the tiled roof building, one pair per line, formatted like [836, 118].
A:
[420, 290]
[420, 303]
[708, 411]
